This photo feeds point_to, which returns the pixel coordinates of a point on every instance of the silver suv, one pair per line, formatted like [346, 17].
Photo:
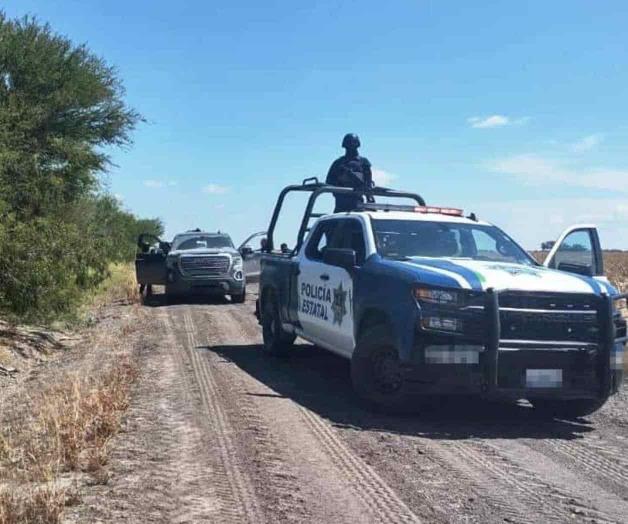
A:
[194, 263]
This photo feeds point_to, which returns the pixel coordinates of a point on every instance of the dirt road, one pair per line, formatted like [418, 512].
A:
[218, 432]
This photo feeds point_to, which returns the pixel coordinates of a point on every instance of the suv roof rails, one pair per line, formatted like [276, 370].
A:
[316, 188]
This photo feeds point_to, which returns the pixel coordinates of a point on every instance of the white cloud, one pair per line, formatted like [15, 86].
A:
[536, 170]
[157, 184]
[587, 143]
[215, 189]
[488, 121]
[383, 178]
[485, 122]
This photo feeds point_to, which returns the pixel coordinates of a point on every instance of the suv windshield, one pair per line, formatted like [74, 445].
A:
[201, 241]
[418, 238]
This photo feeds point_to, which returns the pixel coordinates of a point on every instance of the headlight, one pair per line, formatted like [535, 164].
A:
[437, 296]
[237, 262]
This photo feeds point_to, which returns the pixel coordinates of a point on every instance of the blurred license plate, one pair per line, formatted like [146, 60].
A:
[544, 378]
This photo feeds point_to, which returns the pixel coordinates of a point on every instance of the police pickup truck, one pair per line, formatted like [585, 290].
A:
[426, 301]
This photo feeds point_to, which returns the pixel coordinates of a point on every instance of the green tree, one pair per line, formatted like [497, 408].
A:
[61, 109]
[59, 105]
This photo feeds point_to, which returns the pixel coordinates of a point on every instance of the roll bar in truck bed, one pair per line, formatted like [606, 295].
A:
[316, 188]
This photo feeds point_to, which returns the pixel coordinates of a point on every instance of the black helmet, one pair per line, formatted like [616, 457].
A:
[351, 141]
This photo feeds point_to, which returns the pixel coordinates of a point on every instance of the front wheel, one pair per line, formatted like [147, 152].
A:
[276, 341]
[376, 372]
[239, 298]
[567, 408]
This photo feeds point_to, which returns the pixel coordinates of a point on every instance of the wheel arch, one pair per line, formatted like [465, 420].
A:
[372, 316]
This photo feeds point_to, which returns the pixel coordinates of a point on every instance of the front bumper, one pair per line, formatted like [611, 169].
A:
[226, 284]
[496, 367]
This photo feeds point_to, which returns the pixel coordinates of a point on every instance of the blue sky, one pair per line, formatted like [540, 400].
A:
[515, 110]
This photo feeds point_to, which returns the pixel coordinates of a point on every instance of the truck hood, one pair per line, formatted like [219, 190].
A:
[200, 251]
[481, 275]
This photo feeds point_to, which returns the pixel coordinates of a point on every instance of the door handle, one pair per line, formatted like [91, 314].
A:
[324, 276]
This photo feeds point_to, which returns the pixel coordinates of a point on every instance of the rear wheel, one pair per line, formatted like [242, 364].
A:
[376, 371]
[276, 340]
[567, 408]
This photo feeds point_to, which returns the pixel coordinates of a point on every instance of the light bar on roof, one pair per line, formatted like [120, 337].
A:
[451, 211]
[374, 206]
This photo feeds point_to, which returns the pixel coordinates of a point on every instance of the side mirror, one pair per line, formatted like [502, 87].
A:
[246, 251]
[165, 247]
[345, 258]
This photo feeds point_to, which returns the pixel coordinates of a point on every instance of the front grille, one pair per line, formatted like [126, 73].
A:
[205, 266]
[548, 301]
[564, 317]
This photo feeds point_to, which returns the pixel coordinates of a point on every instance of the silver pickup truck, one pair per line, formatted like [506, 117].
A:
[194, 263]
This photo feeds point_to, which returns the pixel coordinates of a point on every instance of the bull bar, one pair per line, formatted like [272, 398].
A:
[606, 343]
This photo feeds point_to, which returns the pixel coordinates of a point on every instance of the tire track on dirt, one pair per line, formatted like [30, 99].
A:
[272, 474]
[517, 483]
[592, 458]
[237, 499]
[380, 502]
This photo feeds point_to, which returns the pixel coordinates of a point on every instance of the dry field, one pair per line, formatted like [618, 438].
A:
[616, 265]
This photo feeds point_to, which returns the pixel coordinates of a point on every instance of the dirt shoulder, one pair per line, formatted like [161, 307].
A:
[60, 409]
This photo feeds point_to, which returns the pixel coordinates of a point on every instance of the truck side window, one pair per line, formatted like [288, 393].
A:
[575, 250]
[353, 238]
[325, 235]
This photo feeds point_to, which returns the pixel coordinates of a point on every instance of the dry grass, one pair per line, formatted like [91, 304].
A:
[63, 427]
[120, 287]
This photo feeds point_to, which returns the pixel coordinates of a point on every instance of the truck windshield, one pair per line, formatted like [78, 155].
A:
[202, 241]
[419, 238]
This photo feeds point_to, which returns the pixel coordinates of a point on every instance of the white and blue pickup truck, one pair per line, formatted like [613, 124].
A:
[428, 302]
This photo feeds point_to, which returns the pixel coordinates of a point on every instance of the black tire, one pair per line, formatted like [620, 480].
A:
[376, 373]
[169, 296]
[240, 298]
[276, 341]
[567, 409]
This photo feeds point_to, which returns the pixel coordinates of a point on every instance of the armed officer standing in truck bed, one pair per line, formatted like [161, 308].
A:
[350, 170]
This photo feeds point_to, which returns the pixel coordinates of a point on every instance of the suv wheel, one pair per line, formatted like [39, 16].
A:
[567, 408]
[276, 340]
[240, 298]
[376, 372]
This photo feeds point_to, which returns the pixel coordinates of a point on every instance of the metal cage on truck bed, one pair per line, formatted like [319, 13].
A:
[316, 188]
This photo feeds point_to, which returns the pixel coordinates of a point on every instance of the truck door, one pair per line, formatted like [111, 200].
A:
[578, 251]
[325, 292]
[150, 260]
[340, 331]
[251, 255]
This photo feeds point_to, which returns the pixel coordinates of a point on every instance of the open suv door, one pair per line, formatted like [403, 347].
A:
[252, 255]
[150, 260]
